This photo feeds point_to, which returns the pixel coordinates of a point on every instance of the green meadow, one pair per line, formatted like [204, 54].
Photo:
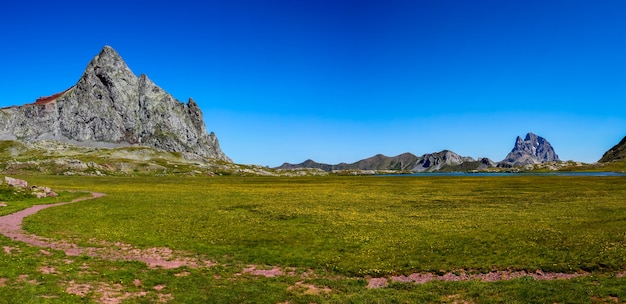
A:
[334, 232]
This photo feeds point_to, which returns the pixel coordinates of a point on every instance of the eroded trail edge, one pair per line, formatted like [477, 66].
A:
[11, 226]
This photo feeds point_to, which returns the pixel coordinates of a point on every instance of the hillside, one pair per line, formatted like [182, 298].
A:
[59, 158]
[618, 152]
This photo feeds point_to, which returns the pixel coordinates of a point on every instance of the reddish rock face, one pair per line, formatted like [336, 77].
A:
[47, 99]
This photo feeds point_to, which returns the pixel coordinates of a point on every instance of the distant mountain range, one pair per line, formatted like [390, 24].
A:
[531, 150]
[110, 107]
[440, 161]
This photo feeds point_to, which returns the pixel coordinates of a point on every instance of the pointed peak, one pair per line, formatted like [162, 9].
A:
[109, 68]
[109, 52]
[530, 136]
[532, 150]
[109, 58]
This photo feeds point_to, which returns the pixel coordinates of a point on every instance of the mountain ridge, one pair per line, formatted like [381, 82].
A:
[531, 150]
[110, 106]
[407, 162]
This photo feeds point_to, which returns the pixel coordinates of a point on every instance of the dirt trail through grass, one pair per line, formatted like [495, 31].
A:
[11, 226]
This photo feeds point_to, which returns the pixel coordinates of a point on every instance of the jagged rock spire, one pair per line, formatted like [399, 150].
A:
[532, 149]
[110, 104]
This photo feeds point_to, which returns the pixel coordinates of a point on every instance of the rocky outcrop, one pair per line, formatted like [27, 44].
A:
[14, 182]
[37, 191]
[439, 161]
[42, 191]
[110, 106]
[618, 152]
[531, 150]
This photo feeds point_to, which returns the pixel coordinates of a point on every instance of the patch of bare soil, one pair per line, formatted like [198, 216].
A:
[377, 282]
[23, 278]
[3, 282]
[153, 257]
[308, 289]
[8, 249]
[268, 273]
[421, 278]
[11, 226]
[80, 290]
[47, 269]
[110, 293]
[164, 297]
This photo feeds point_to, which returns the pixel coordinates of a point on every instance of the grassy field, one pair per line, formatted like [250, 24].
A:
[342, 230]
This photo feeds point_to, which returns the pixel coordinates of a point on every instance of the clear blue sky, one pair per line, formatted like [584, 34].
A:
[284, 81]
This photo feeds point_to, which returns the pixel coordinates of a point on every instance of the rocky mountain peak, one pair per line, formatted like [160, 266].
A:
[532, 149]
[108, 57]
[111, 106]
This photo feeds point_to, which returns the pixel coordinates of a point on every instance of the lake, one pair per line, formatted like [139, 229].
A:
[486, 174]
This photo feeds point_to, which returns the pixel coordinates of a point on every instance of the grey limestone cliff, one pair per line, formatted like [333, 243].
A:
[111, 106]
[531, 150]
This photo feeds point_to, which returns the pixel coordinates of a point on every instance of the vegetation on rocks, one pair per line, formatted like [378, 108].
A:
[57, 158]
[13, 199]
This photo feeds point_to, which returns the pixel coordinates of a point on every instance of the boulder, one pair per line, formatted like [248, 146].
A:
[17, 183]
[40, 192]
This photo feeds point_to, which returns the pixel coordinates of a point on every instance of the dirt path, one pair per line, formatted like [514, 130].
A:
[11, 226]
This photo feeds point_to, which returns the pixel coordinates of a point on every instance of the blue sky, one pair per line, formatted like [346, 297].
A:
[284, 81]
